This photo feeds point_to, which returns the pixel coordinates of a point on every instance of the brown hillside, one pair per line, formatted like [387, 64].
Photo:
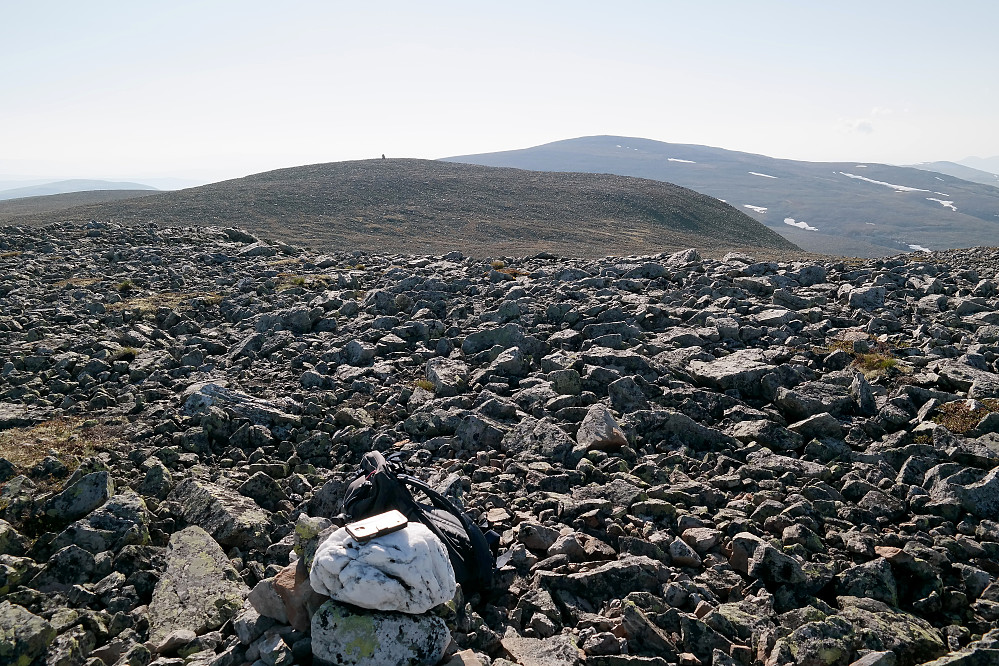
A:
[430, 207]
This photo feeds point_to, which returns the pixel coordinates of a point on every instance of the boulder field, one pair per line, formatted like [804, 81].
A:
[690, 461]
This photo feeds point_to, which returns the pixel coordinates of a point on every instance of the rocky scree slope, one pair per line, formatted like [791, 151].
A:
[690, 461]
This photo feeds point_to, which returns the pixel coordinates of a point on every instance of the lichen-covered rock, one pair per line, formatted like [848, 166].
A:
[407, 571]
[612, 580]
[264, 490]
[449, 376]
[873, 580]
[24, 636]
[12, 542]
[876, 626]
[231, 519]
[342, 636]
[123, 520]
[199, 589]
[69, 566]
[80, 498]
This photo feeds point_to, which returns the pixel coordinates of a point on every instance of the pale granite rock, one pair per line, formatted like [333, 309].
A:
[407, 570]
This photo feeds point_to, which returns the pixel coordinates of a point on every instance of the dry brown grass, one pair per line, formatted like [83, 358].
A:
[515, 272]
[170, 299]
[284, 262]
[68, 439]
[958, 417]
[10, 255]
[77, 282]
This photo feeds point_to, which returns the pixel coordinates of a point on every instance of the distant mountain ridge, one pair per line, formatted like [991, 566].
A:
[845, 208]
[988, 164]
[961, 171]
[433, 207]
[67, 186]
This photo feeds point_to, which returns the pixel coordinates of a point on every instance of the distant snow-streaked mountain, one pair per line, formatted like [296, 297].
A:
[959, 170]
[848, 208]
[66, 186]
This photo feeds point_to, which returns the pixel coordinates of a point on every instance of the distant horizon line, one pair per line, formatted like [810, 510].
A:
[18, 180]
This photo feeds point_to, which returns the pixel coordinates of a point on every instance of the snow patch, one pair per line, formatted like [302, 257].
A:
[800, 225]
[897, 188]
[860, 166]
[919, 248]
[762, 175]
[677, 159]
[869, 223]
[945, 204]
[938, 178]
[756, 209]
[942, 194]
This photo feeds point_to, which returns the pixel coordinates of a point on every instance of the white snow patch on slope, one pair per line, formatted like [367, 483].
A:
[942, 194]
[869, 223]
[920, 248]
[945, 204]
[860, 166]
[756, 209]
[800, 225]
[677, 159]
[762, 175]
[897, 188]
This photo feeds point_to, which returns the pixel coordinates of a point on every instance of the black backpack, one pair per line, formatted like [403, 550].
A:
[382, 486]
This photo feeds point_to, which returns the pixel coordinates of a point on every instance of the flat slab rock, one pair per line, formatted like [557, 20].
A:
[558, 650]
[200, 590]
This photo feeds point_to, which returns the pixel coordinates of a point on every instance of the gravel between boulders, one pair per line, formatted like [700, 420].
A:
[690, 461]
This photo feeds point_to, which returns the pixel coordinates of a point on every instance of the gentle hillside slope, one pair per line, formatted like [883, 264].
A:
[431, 207]
[843, 207]
[960, 171]
[13, 208]
[66, 186]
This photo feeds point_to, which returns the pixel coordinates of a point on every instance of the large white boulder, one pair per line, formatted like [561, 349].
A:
[406, 571]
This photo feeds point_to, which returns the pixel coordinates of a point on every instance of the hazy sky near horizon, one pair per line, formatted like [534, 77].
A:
[214, 90]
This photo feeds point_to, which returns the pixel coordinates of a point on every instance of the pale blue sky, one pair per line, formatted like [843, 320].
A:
[213, 90]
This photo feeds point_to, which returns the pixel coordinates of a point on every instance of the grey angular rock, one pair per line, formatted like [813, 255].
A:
[553, 651]
[80, 498]
[24, 636]
[539, 437]
[449, 376]
[741, 370]
[69, 566]
[600, 430]
[866, 298]
[768, 433]
[872, 580]
[231, 519]
[199, 590]
[342, 636]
